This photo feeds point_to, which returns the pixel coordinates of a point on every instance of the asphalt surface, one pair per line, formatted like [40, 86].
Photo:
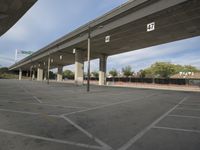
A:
[37, 116]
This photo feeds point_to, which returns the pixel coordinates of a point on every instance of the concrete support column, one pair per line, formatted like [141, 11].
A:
[20, 74]
[79, 63]
[39, 74]
[27, 73]
[33, 75]
[60, 73]
[102, 70]
[45, 75]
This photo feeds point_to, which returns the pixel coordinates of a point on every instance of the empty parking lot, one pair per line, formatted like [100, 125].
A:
[37, 116]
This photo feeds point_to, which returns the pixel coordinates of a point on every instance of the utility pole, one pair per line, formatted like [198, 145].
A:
[31, 68]
[88, 59]
[48, 68]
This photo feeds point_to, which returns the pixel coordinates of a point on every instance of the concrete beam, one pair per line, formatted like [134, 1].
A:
[79, 65]
[102, 70]
[129, 22]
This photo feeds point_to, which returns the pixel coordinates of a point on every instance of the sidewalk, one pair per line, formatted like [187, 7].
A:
[156, 86]
[172, 87]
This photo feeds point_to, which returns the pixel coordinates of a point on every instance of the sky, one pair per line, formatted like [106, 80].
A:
[48, 20]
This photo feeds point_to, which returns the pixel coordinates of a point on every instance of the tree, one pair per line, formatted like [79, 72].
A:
[127, 71]
[113, 73]
[146, 73]
[8, 74]
[189, 68]
[95, 74]
[52, 75]
[163, 69]
[4, 70]
[68, 74]
[166, 69]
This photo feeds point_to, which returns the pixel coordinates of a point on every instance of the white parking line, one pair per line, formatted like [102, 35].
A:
[50, 139]
[176, 129]
[108, 105]
[97, 103]
[145, 130]
[44, 104]
[26, 91]
[185, 116]
[190, 104]
[37, 99]
[74, 112]
[182, 108]
[104, 145]
[16, 111]
[29, 113]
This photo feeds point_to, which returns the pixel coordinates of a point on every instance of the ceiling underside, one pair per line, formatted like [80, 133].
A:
[175, 23]
[11, 11]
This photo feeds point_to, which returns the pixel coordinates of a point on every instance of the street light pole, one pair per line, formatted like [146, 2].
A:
[88, 54]
[31, 68]
[48, 68]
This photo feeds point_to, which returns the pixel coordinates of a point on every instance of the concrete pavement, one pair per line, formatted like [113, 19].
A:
[35, 115]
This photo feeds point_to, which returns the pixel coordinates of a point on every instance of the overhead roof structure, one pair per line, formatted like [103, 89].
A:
[127, 26]
[11, 11]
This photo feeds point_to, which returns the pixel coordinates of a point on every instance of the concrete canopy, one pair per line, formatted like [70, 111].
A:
[11, 11]
[127, 27]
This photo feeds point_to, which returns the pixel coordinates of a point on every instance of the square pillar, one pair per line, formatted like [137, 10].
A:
[20, 74]
[27, 74]
[102, 70]
[79, 64]
[60, 73]
[39, 74]
[33, 75]
[45, 75]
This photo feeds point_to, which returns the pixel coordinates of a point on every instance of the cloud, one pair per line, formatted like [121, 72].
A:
[48, 20]
[181, 52]
[5, 60]
[2, 57]
[188, 59]
[18, 33]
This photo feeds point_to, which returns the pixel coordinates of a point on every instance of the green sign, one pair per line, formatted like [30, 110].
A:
[27, 52]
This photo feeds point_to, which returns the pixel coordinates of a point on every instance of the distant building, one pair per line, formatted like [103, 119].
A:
[187, 75]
